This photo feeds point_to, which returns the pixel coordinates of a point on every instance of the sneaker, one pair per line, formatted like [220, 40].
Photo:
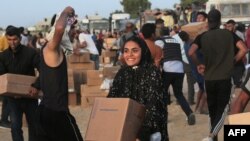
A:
[5, 125]
[207, 139]
[191, 119]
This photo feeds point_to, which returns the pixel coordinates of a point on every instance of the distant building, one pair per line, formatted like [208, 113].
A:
[43, 25]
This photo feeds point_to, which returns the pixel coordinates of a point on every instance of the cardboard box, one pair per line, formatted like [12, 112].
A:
[71, 79]
[115, 119]
[109, 53]
[94, 77]
[94, 82]
[109, 42]
[80, 77]
[194, 29]
[88, 100]
[106, 60]
[110, 72]
[72, 99]
[89, 93]
[86, 66]
[87, 90]
[16, 85]
[95, 74]
[101, 59]
[81, 58]
[239, 119]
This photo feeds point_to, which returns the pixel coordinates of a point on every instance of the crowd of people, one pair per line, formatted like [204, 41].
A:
[152, 58]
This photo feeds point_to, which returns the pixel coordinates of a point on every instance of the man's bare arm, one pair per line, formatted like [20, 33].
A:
[53, 55]
[192, 54]
[242, 50]
[60, 27]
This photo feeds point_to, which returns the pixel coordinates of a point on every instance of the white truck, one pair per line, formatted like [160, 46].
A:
[237, 10]
[119, 20]
[95, 23]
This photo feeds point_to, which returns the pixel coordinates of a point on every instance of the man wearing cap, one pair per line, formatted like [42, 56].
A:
[217, 47]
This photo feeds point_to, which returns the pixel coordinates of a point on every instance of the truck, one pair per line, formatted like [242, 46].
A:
[95, 24]
[118, 21]
[238, 10]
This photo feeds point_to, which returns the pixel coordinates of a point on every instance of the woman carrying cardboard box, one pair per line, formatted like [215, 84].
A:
[141, 81]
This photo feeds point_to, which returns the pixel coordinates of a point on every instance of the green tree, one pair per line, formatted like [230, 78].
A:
[185, 3]
[133, 7]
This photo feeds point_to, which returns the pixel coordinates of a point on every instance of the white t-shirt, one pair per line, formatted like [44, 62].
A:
[91, 47]
[24, 40]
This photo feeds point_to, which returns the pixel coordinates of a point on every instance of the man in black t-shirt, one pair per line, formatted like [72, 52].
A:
[239, 67]
[217, 46]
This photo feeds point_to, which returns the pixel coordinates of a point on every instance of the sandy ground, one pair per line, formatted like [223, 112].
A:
[178, 128]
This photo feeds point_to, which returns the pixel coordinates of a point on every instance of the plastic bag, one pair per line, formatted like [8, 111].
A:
[155, 137]
[106, 84]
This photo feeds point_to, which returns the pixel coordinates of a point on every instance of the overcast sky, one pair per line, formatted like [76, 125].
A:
[29, 12]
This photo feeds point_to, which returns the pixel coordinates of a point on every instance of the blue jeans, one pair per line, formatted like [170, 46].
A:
[95, 58]
[17, 108]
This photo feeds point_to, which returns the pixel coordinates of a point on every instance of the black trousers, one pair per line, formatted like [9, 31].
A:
[56, 126]
[176, 81]
[218, 96]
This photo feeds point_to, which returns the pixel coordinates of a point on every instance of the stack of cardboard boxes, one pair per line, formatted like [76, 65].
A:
[110, 71]
[109, 43]
[93, 79]
[77, 72]
[91, 89]
[71, 88]
[81, 61]
[108, 56]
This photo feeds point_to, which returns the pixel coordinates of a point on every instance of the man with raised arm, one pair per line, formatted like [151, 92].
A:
[53, 116]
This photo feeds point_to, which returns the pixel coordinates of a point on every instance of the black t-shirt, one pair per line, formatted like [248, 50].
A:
[235, 37]
[218, 48]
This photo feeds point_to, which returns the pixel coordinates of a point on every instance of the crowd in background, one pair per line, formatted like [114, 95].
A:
[164, 59]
